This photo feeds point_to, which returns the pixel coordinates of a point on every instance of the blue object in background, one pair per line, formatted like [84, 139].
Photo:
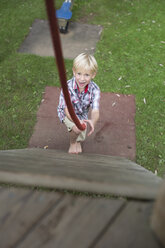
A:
[64, 12]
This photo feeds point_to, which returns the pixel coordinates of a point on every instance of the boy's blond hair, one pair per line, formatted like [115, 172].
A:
[86, 62]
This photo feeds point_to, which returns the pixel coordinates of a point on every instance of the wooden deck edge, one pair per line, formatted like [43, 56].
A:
[158, 216]
[27, 179]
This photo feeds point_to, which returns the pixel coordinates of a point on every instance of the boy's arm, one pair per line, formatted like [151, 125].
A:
[92, 122]
[94, 116]
[95, 110]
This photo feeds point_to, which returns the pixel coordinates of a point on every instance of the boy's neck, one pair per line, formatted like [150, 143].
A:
[84, 89]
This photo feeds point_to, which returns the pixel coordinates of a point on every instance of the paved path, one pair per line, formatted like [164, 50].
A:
[115, 131]
[80, 38]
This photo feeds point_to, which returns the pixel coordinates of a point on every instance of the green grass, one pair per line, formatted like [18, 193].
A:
[132, 47]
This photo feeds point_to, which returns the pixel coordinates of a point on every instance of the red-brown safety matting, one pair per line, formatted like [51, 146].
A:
[114, 133]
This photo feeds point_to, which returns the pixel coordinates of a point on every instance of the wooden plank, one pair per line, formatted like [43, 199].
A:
[9, 197]
[43, 157]
[57, 154]
[75, 222]
[158, 216]
[130, 229]
[50, 168]
[62, 167]
[20, 210]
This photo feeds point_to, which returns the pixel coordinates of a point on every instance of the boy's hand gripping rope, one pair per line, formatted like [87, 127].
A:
[59, 60]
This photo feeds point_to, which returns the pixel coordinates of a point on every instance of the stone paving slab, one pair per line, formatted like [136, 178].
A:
[80, 38]
[114, 133]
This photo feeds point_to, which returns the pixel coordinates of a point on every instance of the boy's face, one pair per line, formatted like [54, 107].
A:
[83, 78]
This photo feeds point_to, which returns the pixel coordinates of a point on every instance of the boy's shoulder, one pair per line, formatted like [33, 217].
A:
[93, 86]
[70, 83]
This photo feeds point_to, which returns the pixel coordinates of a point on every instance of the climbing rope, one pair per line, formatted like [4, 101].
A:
[59, 60]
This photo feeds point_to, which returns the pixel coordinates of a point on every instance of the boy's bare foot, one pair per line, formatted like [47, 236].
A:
[75, 148]
[79, 149]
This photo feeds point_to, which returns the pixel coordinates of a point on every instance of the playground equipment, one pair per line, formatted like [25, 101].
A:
[63, 15]
[43, 218]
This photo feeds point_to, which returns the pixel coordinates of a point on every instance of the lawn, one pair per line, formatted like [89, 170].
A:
[131, 59]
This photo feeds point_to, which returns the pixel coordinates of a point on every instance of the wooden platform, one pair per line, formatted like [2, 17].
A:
[95, 173]
[55, 220]
[30, 218]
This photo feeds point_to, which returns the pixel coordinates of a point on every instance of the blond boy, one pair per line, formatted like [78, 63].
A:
[84, 94]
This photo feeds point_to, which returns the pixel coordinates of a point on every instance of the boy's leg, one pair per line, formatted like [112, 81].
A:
[81, 137]
[75, 136]
[75, 146]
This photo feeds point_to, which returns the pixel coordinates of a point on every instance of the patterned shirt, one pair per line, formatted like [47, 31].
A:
[81, 101]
